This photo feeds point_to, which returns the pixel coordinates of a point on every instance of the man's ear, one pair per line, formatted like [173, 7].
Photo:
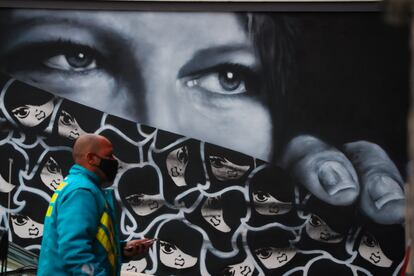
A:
[92, 159]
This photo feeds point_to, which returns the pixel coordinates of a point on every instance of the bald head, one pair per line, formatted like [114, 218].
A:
[88, 143]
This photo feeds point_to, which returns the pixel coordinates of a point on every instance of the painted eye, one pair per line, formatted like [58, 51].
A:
[167, 247]
[182, 155]
[225, 79]
[370, 241]
[66, 118]
[316, 221]
[217, 162]
[228, 271]
[76, 59]
[135, 199]
[20, 220]
[21, 112]
[52, 166]
[260, 196]
[264, 253]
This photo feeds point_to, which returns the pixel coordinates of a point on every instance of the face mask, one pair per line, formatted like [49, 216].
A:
[109, 167]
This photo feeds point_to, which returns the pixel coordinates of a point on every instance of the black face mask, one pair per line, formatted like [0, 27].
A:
[109, 167]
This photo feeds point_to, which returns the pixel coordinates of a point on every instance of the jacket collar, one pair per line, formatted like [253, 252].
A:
[78, 169]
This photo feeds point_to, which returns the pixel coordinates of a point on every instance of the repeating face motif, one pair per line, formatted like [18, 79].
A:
[266, 204]
[318, 230]
[244, 268]
[25, 227]
[177, 161]
[143, 204]
[175, 255]
[272, 257]
[51, 174]
[223, 169]
[212, 212]
[371, 251]
[135, 266]
[68, 126]
[172, 256]
[32, 115]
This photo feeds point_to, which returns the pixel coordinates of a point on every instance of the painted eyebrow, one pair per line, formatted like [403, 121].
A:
[210, 57]
[111, 37]
[23, 21]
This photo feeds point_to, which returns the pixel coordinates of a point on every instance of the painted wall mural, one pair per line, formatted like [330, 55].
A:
[234, 151]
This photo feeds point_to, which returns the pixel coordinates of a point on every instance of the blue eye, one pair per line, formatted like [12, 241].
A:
[226, 79]
[73, 60]
[221, 83]
[62, 55]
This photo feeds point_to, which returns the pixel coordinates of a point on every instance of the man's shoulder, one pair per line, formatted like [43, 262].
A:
[75, 182]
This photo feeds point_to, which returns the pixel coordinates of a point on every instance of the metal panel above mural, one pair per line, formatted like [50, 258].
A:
[322, 96]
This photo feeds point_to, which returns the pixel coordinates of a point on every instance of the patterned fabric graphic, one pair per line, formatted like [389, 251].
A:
[214, 211]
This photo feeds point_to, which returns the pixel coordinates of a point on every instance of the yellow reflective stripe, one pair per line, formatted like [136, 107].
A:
[61, 186]
[107, 222]
[49, 211]
[55, 195]
[104, 241]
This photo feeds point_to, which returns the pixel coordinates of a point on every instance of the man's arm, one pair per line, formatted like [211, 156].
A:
[78, 220]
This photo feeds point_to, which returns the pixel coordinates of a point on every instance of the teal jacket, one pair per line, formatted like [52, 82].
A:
[80, 236]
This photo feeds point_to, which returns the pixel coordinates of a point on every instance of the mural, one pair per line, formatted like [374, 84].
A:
[250, 184]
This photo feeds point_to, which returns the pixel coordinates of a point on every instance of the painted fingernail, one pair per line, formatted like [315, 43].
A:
[334, 177]
[383, 190]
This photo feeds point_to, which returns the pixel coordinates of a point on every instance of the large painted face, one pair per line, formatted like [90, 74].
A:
[370, 250]
[224, 169]
[212, 212]
[176, 162]
[51, 174]
[68, 126]
[266, 204]
[26, 228]
[143, 204]
[135, 266]
[172, 256]
[244, 268]
[318, 230]
[196, 74]
[32, 115]
[272, 257]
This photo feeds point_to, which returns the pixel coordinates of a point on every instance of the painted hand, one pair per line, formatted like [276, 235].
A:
[362, 173]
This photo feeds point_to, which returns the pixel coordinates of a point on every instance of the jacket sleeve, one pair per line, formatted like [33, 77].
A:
[78, 218]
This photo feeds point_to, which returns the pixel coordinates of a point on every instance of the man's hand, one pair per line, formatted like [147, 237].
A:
[136, 248]
[362, 173]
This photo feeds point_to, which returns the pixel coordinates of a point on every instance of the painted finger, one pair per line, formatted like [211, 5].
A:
[382, 194]
[323, 170]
